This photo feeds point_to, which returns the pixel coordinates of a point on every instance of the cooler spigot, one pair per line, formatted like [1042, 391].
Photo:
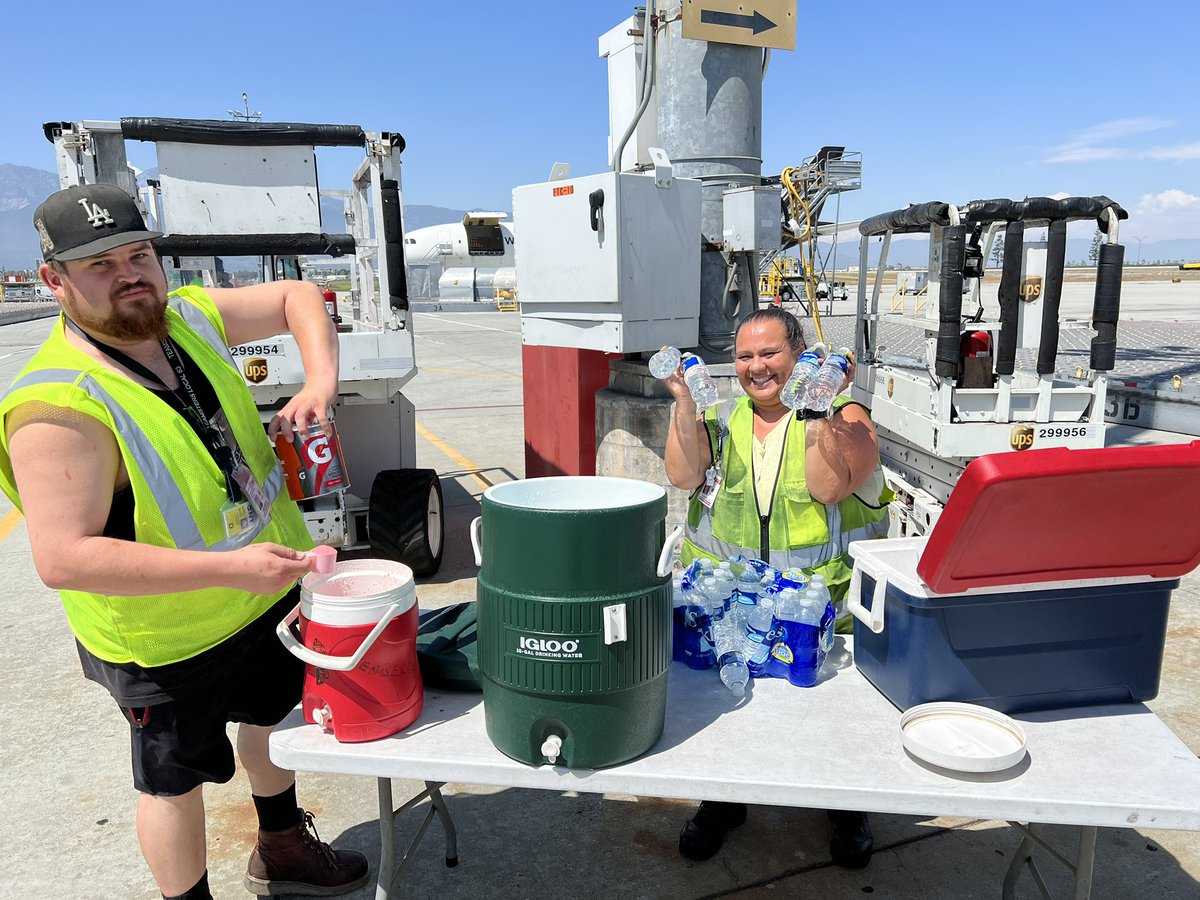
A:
[323, 717]
[551, 748]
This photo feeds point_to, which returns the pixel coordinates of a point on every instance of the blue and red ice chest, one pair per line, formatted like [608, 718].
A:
[1045, 583]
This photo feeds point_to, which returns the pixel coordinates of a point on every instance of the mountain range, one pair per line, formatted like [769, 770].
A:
[22, 188]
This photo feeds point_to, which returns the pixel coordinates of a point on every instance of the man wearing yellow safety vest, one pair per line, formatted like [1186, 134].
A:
[791, 491]
[154, 505]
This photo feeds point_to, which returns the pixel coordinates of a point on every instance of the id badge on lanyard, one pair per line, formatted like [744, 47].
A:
[238, 517]
[712, 484]
[252, 491]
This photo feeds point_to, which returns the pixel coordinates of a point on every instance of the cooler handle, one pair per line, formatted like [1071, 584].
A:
[475, 543]
[320, 660]
[873, 617]
[664, 558]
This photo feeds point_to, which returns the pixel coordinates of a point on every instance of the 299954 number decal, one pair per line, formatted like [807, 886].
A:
[256, 350]
[1063, 431]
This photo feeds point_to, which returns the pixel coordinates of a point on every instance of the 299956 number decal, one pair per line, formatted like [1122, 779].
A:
[256, 350]
[1064, 431]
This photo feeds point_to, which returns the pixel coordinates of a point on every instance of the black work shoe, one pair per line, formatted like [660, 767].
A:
[703, 836]
[851, 844]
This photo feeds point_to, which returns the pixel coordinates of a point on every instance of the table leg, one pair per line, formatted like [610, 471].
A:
[1081, 868]
[1023, 854]
[387, 840]
[1085, 862]
[389, 873]
[435, 797]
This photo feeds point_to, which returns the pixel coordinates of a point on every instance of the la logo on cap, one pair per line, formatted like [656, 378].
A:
[96, 216]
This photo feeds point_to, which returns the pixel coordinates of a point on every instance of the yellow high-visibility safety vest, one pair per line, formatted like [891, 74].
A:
[178, 489]
[800, 532]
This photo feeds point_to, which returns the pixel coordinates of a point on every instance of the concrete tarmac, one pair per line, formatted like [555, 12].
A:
[68, 804]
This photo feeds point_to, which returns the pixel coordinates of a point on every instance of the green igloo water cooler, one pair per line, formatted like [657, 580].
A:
[574, 594]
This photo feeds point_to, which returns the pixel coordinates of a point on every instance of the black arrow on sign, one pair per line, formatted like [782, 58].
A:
[756, 23]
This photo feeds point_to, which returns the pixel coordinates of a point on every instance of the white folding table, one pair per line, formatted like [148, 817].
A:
[834, 746]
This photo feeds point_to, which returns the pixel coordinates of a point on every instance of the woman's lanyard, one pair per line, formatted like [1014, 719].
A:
[187, 405]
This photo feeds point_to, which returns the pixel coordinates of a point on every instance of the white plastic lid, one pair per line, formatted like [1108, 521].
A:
[358, 592]
[962, 737]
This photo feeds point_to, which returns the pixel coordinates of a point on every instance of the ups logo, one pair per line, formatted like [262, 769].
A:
[1021, 437]
[1031, 288]
[255, 369]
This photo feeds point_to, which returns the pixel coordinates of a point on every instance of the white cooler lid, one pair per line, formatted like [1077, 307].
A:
[962, 737]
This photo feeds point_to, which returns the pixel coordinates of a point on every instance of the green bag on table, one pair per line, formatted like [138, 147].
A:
[448, 648]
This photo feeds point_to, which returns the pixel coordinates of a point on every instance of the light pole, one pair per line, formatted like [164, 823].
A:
[1139, 240]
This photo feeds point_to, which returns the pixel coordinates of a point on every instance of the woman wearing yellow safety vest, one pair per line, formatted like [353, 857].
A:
[789, 490]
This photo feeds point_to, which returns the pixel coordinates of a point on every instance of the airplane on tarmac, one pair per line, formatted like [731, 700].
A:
[468, 260]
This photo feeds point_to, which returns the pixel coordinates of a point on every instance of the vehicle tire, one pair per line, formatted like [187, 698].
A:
[405, 520]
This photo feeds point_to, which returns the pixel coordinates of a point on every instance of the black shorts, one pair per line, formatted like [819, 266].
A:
[180, 743]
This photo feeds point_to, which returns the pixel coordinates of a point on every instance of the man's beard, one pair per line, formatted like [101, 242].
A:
[144, 319]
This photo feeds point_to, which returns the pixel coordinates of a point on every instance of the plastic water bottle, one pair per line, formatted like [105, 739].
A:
[679, 635]
[717, 596]
[731, 658]
[806, 368]
[829, 620]
[746, 593]
[726, 584]
[796, 653]
[760, 633]
[690, 624]
[699, 382]
[665, 362]
[824, 387]
[787, 618]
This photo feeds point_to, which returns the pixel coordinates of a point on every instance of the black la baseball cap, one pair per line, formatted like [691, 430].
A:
[89, 219]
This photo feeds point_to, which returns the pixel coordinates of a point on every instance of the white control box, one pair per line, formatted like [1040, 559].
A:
[751, 219]
[609, 262]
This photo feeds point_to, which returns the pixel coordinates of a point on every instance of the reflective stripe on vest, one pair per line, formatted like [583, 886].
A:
[199, 323]
[185, 533]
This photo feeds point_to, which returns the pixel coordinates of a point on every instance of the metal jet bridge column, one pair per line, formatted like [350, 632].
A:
[710, 125]
[709, 102]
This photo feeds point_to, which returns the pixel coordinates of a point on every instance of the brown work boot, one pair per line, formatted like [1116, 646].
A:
[297, 861]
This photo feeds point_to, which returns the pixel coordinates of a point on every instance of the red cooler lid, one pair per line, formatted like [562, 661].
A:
[1060, 515]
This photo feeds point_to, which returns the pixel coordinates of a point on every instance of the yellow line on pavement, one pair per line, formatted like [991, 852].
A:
[462, 461]
[9, 522]
[471, 374]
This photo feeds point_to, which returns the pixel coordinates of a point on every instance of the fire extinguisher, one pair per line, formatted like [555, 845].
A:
[975, 344]
[974, 360]
[331, 305]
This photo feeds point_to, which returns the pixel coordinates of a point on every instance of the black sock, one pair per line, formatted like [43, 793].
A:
[278, 812]
[198, 891]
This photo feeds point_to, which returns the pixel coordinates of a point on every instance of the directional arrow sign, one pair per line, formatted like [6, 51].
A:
[765, 23]
[756, 23]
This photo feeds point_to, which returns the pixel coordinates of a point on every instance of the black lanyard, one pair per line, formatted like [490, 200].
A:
[190, 407]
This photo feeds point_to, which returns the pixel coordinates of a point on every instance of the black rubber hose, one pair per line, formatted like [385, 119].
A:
[1010, 298]
[1056, 259]
[246, 134]
[393, 240]
[1107, 307]
[915, 217]
[954, 239]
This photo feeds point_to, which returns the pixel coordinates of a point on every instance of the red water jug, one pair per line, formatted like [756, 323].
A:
[358, 634]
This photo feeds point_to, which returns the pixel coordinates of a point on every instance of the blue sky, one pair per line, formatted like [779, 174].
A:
[946, 100]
